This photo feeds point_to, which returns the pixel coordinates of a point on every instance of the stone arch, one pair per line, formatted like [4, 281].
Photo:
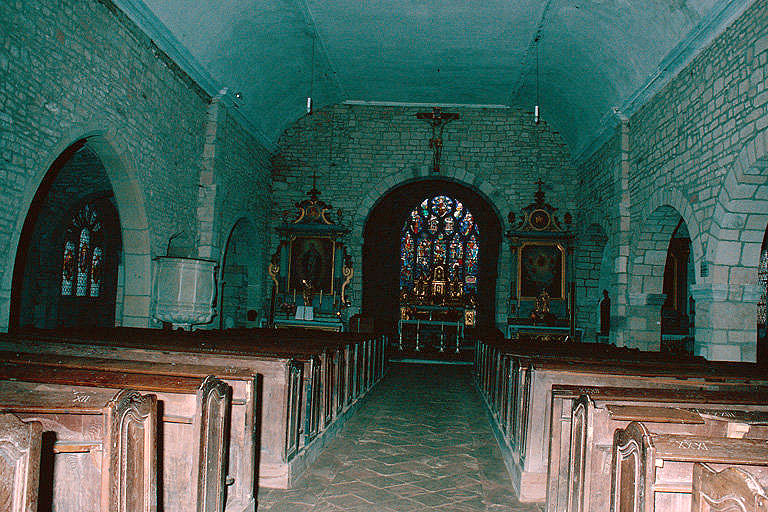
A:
[491, 194]
[667, 210]
[380, 232]
[727, 306]
[740, 217]
[238, 274]
[129, 200]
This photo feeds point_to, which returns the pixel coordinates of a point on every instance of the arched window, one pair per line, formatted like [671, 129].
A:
[440, 230]
[83, 252]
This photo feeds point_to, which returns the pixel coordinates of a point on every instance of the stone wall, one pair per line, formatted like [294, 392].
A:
[78, 69]
[698, 147]
[360, 152]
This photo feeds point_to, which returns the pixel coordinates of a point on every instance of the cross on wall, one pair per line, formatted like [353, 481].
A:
[437, 119]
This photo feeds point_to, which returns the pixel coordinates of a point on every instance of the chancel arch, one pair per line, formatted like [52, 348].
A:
[85, 173]
[382, 243]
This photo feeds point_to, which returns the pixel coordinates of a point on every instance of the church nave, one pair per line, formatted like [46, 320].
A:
[420, 441]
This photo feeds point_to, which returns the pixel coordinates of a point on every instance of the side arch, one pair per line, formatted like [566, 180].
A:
[130, 203]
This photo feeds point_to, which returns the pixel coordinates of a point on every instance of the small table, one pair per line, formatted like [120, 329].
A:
[459, 325]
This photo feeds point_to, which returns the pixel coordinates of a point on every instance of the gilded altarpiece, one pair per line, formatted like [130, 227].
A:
[542, 296]
[311, 270]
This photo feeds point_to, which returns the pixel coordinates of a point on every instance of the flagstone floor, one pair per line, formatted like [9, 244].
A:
[420, 442]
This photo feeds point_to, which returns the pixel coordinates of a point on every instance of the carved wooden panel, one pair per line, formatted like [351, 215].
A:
[729, 490]
[19, 464]
[293, 421]
[130, 454]
[579, 443]
[627, 469]
[214, 401]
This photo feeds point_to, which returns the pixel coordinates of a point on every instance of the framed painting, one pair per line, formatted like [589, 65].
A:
[311, 259]
[541, 266]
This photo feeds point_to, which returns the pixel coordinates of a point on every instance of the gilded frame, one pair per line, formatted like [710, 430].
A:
[328, 253]
[562, 255]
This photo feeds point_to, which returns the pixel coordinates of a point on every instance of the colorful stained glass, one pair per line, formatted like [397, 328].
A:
[449, 224]
[68, 268]
[433, 224]
[762, 277]
[81, 269]
[440, 229]
[467, 223]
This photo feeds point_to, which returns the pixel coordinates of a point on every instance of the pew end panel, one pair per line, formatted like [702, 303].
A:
[20, 445]
[726, 490]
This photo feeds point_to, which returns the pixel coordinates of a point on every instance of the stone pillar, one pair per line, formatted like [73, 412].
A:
[642, 328]
[621, 332]
[726, 321]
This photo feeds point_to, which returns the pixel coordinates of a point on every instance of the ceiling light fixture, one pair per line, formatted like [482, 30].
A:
[311, 77]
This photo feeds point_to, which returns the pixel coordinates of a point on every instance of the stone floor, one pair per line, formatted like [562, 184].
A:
[420, 442]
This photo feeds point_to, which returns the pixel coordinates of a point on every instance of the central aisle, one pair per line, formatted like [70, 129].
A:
[420, 441]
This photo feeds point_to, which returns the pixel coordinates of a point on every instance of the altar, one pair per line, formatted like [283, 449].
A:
[311, 270]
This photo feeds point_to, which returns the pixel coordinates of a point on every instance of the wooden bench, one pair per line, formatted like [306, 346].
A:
[654, 472]
[580, 449]
[243, 434]
[194, 420]
[727, 490]
[285, 450]
[19, 463]
[516, 388]
[105, 452]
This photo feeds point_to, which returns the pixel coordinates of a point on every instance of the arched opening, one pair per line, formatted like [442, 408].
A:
[66, 268]
[678, 309]
[382, 239]
[661, 276]
[762, 304]
[237, 274]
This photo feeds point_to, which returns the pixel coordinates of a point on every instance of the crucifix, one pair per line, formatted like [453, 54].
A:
[437, 119]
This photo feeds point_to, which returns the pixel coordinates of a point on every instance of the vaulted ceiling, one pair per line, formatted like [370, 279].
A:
[593, 55]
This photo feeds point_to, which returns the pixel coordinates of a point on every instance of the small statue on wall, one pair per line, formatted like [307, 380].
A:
[605, 314]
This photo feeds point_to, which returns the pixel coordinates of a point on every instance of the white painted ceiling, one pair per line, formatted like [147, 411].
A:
[594, 55]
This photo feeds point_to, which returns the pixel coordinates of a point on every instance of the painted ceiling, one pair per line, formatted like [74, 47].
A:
[593, 55]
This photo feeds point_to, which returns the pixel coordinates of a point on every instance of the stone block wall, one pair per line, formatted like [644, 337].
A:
[360, 152]
[76, 69]
[699, 147]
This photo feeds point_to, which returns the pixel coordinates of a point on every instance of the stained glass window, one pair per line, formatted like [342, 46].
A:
[440, 230]
[762, 275]
[82, 254]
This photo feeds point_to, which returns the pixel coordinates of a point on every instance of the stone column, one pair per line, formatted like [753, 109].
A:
[726, 321]
[642, 328]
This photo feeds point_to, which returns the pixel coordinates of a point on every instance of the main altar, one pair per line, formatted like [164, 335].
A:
[438, 280]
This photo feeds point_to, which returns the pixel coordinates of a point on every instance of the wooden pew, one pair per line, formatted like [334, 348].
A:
[727, 490]
[514, 382]
[106, 443]
[581, 444]
[654, 472]
[284, 453]
[194, 421]
[243, 434]
[19, 463]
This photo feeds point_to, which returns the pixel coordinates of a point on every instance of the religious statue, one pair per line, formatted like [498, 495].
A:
[541, 315]
[605, 314]
[438, 282]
